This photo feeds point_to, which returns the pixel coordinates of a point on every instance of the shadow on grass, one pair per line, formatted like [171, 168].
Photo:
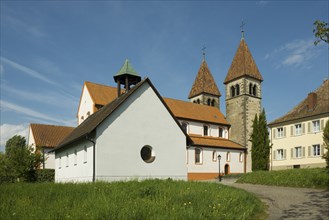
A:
[317, 207]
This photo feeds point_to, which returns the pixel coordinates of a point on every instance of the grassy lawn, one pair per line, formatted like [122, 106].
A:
[151, 199]
[307, 178]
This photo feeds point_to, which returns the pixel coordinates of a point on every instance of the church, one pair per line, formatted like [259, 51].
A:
[135, 133]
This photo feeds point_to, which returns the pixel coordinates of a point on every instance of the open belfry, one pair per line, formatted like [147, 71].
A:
[243, 97]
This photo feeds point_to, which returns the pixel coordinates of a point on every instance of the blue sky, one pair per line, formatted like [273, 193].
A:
[49, 48]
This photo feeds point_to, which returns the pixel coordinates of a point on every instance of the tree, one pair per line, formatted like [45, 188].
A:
[326, 143]
[260, 150]
[321, 31]
[19, 163]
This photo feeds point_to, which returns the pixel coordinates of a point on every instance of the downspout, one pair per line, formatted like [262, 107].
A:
[94, 155]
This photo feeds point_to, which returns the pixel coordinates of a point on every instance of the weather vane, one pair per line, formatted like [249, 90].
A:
[204, 51]
[242, 28]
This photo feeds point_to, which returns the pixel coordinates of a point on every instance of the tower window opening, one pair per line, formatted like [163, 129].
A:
[250, 89]
[213, 102]
[237, 87]
[208, 102]
[198, 101]
[232, 91]
[205, 130]
[254, 90]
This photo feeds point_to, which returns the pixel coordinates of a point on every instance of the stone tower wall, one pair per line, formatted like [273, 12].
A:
[240, 112]
[204, 99]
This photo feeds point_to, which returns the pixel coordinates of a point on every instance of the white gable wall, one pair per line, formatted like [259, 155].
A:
[141, 120]
[73, 168]
[86, 105]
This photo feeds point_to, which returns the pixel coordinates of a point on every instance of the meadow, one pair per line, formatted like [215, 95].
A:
[150, 199]
[304, 178]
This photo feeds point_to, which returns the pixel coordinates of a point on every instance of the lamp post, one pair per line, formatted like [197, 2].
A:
[219, 177]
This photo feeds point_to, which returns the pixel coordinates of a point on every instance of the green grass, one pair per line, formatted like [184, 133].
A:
[305, 178]
[150, 199]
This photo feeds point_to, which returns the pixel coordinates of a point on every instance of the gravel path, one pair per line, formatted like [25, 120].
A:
[290, 203]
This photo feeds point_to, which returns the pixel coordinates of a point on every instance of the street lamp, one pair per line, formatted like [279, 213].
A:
[219, 177]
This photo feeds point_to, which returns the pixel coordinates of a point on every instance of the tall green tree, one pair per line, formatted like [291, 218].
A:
[326, 143]
[321, 31]
[261, 147]
[19, 163]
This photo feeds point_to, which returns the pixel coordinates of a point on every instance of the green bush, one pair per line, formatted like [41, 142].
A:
[45, 175]
[306, 178]
[150, 199]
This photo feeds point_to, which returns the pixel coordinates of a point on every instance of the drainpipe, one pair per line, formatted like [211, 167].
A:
[94, 154]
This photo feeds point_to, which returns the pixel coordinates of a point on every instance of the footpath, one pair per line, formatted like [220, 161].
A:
[288, 202]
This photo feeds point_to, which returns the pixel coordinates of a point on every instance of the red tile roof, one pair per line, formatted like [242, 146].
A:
[49, 135]
[214, 142]
[101, 94]
[196, 112]
[204, 82]
[243, 64]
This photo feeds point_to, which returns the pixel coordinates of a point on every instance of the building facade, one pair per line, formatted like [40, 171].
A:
[297, 137]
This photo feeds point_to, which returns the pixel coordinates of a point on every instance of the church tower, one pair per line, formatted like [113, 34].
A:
[243, 97]
[126, 76]
[204, 90]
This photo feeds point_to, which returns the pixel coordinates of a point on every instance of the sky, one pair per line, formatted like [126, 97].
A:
[49, 48]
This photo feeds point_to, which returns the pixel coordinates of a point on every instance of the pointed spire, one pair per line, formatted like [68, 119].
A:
[127, 69]
[204, 82]
[243, 64]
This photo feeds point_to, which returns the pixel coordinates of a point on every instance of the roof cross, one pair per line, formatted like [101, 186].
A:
[204, 51]
[242, 28]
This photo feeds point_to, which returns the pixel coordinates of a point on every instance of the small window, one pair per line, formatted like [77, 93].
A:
[198, 156]
[241, 157]
[316, 126]
[228, 156]
[85, 154]
[147, 154]
[280, 132]
[75, 157]
[237, 87]
[60, 162]
[254, 90]
[298, 152]
[198, 101]
[280, 154]
[250, 88]
[298, 129]
[209, 102]
[88, 114]
[213, 102]
[316, 150]
[220, 132]
[205, 130]
[82, 117]
[214, 156]
[232, 91]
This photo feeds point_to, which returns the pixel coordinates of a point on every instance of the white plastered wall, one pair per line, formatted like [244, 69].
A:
[86, 105]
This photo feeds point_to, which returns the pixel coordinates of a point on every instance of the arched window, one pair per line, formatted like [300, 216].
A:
[198, 156]
[250, 88]
[232, 91]
[241, 157]
[198, 101]
[237, 88]
[213, 102]
[228, 156]
[194, 101]
[208, 102]
[254, 90]
[214, 156]
[185, 126]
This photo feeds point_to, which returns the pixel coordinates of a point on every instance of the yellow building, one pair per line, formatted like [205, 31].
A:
[297, 136]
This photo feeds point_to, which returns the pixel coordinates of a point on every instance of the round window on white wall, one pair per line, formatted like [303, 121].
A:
[147, 154]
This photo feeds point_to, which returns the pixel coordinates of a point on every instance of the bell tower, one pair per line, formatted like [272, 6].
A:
[126, 76]
[204, 90]
[243, 97]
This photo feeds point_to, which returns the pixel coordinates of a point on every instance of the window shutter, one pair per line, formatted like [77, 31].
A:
[274, 155]
[303, 128]
[322, 149]
[309, 151]
[284, 154]
[291, 130]
[284, 131]
[322, 125]
[309, 127]
[303, 152]
[274, 134]
[292, 153]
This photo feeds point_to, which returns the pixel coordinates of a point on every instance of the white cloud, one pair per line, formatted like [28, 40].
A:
[262, 3]
[20, 25]
[298, 53]
[28, 112]
[7, 131]
[2, 70]
[27, 71]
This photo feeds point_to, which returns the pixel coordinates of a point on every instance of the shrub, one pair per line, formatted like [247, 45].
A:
[45, 175]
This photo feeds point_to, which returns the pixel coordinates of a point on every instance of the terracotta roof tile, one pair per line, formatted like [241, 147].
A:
[204, 82]
[302, 110]
[101, 94]
[243, 64]
[197, 112]
[214, 142]
[49, 135]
